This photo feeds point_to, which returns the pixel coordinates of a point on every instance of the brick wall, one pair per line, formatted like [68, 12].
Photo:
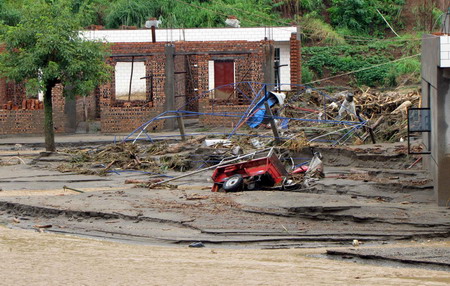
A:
[192, 80]
[31, 121]
[118, 116]
[191, 67]
[15, 93]
[3, 98]
[224, 121]
[296, 56]
[126, 119]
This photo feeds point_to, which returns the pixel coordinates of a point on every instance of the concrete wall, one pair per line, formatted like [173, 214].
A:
[436, 95]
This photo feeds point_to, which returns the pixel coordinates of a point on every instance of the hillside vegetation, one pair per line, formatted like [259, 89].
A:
[339, 36]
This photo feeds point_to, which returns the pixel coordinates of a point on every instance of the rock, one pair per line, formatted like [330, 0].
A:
[197, 244]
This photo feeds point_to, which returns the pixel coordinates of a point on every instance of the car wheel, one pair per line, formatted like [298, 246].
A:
[233, 183]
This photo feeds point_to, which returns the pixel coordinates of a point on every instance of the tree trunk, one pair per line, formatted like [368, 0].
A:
[49, 131]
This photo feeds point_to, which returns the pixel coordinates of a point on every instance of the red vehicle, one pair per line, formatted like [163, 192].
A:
[264, 169]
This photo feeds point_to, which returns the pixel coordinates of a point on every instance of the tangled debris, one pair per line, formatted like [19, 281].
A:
[155, 158]
[385, 113]
[123, 156]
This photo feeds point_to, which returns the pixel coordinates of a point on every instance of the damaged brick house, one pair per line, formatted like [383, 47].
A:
[164, 70]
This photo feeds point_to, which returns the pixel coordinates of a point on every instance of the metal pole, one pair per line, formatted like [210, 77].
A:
[181, 127]
[131, 78]
[272, 124]
[153, 34]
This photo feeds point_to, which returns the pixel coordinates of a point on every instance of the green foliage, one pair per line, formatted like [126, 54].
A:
[45, 46]
[291, 8]
[195, 13]
[362, 16]
[408, 67]
[308, 6]
[307, 74]
[8, 14]
[93, 11]
[349, 58]
[427, 16]
[129, 13]
[318, 31]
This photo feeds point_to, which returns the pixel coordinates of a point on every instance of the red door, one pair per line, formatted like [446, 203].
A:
[223, 75]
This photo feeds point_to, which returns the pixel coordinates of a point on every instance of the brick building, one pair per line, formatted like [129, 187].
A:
[183, 63]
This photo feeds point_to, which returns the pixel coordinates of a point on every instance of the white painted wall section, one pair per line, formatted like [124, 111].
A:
[285, 59]
[199, 34]
[445, 51]
[211, 77]
[122, 78]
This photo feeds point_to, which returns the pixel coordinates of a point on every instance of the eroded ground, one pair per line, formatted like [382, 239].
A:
[368, 194]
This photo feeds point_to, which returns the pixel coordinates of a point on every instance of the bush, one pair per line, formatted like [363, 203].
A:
[349, 58]
[362, 16]
[307, 75]
[408, 67]
[318, 31]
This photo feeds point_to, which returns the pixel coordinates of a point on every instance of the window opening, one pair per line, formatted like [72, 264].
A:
[130, 81]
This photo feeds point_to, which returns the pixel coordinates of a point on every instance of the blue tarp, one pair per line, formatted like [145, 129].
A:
[258, 112]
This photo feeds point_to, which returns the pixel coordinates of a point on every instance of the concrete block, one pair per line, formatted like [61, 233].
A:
[445, 55]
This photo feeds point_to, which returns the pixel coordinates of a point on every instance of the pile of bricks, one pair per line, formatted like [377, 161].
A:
[29, 104]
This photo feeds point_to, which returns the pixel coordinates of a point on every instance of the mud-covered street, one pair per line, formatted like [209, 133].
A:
[32, 258]
[368, 195]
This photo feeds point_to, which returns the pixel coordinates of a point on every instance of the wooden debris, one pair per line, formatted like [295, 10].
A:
[72, 189]
[43, 226]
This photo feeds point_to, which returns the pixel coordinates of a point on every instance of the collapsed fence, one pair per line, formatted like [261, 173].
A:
[254, 97]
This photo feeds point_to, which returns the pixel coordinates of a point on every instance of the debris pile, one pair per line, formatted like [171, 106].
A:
[294, 123]
[113, 157]
[156, 158]
[385, 113]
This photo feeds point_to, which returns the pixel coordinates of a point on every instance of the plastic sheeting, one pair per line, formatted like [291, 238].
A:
[258, 112]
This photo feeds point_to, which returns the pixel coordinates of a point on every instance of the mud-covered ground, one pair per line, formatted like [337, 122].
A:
[32, 258]
[368, 194]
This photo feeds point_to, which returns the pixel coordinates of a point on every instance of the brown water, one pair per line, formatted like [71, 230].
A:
[32, 258]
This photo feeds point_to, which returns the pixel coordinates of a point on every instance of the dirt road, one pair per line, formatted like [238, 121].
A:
[32, 258]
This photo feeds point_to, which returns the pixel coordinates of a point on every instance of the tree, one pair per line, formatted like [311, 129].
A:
[45, 48]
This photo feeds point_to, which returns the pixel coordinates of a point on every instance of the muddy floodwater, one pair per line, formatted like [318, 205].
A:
[34, 258]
